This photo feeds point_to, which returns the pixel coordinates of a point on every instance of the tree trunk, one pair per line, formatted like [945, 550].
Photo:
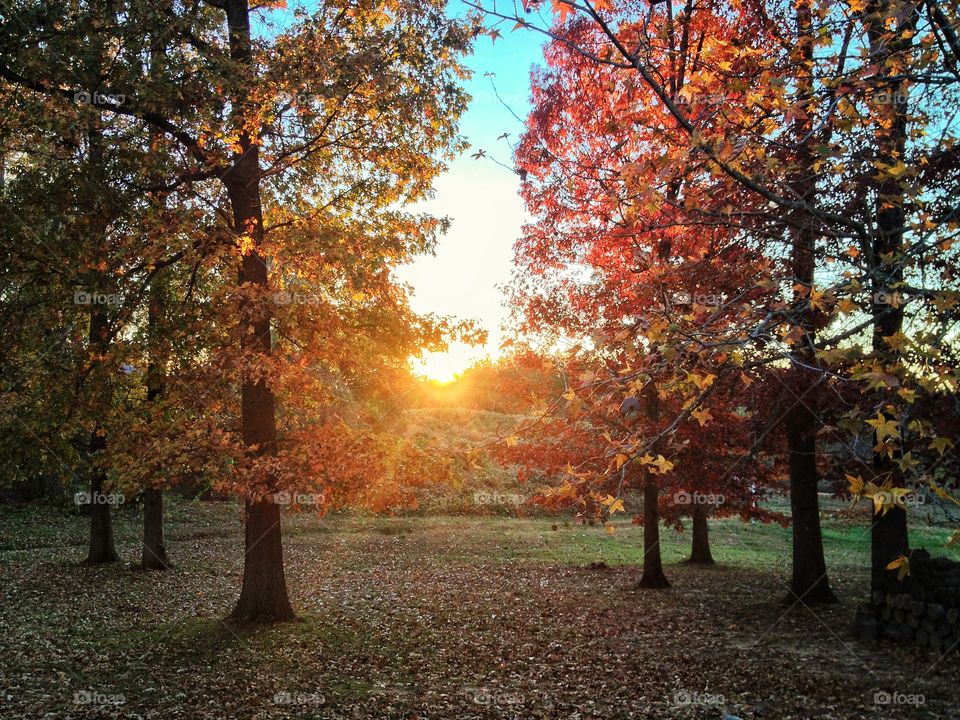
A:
[888, 533]
[101, 549]
[154, 556]
[263, 597]
[653, 576]
[154, 549]
[888, 540]
[809, 583]
[700, 549]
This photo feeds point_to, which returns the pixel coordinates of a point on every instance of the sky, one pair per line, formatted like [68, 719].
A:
[481, 198]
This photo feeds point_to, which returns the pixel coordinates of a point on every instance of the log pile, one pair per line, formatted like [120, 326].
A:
[923, 609]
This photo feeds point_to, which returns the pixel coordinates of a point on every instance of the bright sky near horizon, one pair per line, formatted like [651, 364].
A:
[481, 199]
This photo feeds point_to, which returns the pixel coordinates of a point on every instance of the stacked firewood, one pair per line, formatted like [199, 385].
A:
[921, 609]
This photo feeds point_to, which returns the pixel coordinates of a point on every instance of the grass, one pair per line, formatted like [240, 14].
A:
[442, 617]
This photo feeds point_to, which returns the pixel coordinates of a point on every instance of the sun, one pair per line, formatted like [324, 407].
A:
[445, 367]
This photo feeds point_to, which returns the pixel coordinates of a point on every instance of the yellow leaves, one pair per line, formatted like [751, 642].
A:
[511, 440]
[941, 444]
[902, 565]
[887, 498]
[895, 171]
[613, 505]
[907, 394]
[246, 245]
[657, 465]
[702, 416]
[702, 382]
[907, 462]
[884, 427]
[620, 460]
[856, 485]
[884, 498]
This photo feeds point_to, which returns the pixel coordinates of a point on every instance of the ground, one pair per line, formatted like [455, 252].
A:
[444, 617]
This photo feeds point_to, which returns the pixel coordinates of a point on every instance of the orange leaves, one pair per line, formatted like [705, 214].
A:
[902, 565]
[562, 9]
[702, 416]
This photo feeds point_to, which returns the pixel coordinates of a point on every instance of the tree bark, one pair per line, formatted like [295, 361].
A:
[888, 533]
[263, 597]
[653, 575]
[809, 583]
[700, 548]
[154, 556]
[101, 548]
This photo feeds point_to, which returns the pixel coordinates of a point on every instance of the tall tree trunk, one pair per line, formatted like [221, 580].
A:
[889, 537]
[809, 583]
[653, 576]
[263, 597]
[700, 548]
[101, 547]
[154, 556]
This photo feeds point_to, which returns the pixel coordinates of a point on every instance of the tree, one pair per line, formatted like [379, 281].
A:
[297, 146]
[780, 73]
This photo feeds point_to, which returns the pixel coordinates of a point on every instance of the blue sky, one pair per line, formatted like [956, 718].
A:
[481, 199]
